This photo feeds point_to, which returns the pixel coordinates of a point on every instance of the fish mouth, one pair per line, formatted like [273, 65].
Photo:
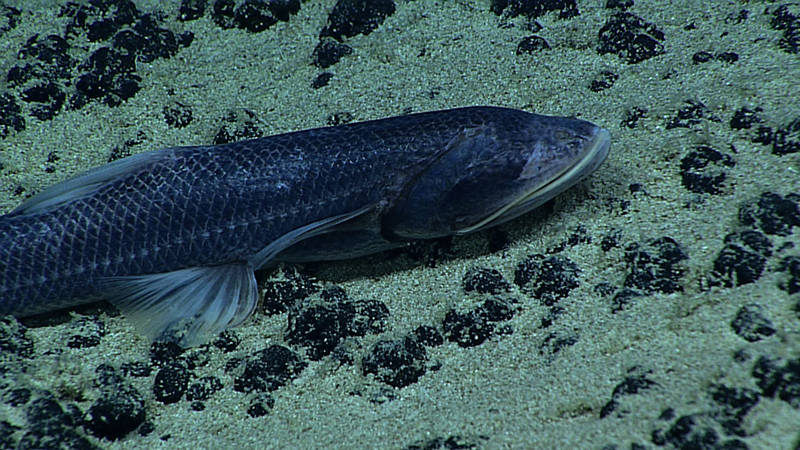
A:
[593, 156]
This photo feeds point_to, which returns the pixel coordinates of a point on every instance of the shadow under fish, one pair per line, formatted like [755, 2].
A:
[172, 237]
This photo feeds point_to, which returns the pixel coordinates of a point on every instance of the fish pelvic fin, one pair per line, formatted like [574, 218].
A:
[187, 306]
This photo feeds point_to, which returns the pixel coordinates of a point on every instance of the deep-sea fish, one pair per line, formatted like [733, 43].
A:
[172, 237]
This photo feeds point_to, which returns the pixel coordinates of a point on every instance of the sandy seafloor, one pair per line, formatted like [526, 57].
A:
[675, 365]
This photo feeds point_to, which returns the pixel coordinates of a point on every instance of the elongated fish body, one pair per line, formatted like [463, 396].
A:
[172, 236]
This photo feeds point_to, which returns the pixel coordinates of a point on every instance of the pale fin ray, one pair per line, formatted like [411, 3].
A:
[268, 253]
[87, 183]
[188, 306]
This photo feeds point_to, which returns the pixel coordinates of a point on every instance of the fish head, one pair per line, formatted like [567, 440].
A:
[494, 172]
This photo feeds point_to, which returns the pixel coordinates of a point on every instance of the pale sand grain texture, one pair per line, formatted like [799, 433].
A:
[518, 389]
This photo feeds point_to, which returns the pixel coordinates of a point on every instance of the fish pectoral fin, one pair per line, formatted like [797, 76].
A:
[188, 306]
[267, 254]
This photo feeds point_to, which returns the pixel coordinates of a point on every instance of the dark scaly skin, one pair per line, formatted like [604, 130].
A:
[204, 206]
